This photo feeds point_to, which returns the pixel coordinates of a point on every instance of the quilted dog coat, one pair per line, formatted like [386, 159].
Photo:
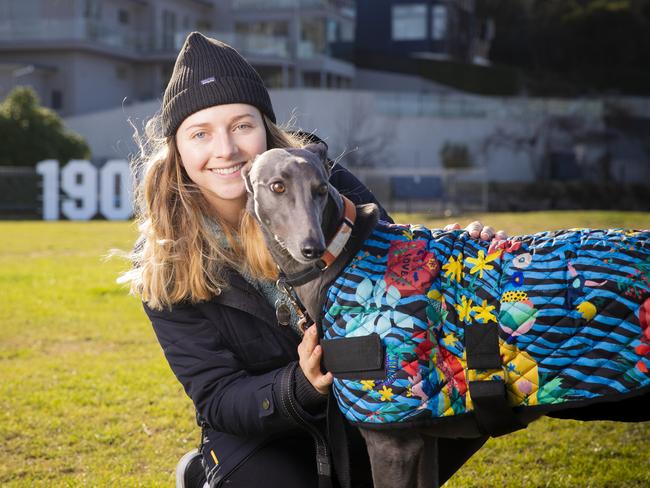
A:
[567, 313]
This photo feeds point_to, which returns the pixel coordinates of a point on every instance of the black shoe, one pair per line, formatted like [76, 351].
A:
[190, 472]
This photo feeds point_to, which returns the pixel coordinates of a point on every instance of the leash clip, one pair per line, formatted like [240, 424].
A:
[304, 320]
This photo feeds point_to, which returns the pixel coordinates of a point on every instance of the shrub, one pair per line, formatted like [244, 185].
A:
[32, 133]
[455, 156]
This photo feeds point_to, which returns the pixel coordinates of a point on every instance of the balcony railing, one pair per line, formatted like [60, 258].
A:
[94, 32]
[273, 4]
[52, 30]
[72, 30]
[247, 44]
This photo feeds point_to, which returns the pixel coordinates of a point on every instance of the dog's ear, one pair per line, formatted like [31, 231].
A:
[319, 149]
[245, 172]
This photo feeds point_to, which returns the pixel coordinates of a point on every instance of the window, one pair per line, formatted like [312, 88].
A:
[311, 79]
[57, 100]
[271, 76]
[165, 75]
[265, 28]
[92, 9]
[313, 37]
[347, 31]
[123, 16]
[438, 22]
[333, 31]
[203, 26]
[168, 30]
[409, 22]
[121, 72]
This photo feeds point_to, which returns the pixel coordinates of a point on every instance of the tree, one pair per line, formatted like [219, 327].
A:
[537, 137]
[511, 45]
[32, 133]
[455, 156]
[570, 47]
[366, 141]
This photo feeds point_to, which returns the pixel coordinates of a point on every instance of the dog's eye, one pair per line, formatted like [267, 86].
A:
[322, 190]
[277, 187]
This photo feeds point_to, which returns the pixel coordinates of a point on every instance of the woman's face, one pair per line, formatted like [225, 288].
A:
[214, 144]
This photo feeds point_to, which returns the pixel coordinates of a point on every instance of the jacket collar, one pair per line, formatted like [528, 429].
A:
[243, 296]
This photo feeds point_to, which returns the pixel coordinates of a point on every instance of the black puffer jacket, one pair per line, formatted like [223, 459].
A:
[239, 366]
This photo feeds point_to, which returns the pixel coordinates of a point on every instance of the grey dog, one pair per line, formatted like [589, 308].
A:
[299, 211]
[314, 234]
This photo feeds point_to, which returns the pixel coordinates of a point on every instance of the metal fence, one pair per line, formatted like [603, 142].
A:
[20, 193]
[436, 191]
[430, 190]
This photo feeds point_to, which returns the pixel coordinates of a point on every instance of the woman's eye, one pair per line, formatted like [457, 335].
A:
[277, 187]
[243, 126]
[199, 135]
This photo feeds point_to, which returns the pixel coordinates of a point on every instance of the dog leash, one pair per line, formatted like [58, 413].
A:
[286, 283]
[304, 320]
[335, 424]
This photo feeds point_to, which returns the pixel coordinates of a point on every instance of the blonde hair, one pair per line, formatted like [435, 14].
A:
[178, 255]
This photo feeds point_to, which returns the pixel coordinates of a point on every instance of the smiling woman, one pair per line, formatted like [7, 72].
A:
[207, 282]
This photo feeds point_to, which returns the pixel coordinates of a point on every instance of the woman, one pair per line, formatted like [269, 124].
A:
[207, 281]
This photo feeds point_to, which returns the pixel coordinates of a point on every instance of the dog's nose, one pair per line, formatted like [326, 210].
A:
[312, 251]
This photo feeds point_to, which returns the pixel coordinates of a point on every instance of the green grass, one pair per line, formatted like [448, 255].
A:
[87, 398]
[528, 222]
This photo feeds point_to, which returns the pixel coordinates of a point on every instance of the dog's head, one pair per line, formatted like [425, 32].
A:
[287, 194]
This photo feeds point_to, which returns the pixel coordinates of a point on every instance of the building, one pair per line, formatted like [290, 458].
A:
[289, 41]
[87, 55]
[435, 29]
[401, 44]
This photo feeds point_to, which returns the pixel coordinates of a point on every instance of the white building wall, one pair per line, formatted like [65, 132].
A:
[100, 81]
[412, 134]
[109, 133]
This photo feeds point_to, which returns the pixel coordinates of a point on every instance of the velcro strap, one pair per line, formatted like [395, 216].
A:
[493, 414]
[354, 357]
[482, 346]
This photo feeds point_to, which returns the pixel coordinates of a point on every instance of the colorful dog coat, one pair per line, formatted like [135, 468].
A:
[567, 314]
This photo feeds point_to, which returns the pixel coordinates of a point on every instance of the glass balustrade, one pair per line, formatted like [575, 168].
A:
[273, 4]
[101, 34]
[246, 44]
[72, 30]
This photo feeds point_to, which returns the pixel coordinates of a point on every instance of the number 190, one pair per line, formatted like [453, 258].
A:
[80, 190]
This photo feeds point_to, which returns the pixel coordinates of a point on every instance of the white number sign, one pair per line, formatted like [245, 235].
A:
[79, 190]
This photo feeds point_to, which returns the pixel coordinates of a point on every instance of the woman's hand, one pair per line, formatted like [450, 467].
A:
[477, 229]
[310, 354]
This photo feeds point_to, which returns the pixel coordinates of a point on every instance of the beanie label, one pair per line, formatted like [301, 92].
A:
[208, 80]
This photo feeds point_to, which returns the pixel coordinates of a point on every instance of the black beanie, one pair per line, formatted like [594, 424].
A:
[208, 72]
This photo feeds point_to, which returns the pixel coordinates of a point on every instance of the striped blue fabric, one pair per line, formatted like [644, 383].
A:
[572, 309]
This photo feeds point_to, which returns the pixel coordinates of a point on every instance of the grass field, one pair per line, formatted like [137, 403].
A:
[87, 399]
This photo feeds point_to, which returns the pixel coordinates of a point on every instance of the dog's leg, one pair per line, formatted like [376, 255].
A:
[402, 458]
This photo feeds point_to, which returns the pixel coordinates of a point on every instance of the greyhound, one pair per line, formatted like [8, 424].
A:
[485, 370]
[299, 211]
